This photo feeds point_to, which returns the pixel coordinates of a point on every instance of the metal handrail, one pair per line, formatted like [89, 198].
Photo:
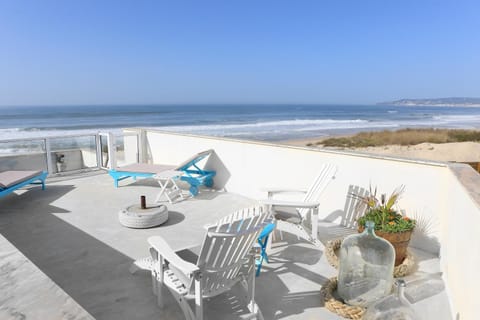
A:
[47, 151]
[50, 137]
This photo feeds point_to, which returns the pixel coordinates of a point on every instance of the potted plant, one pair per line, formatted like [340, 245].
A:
[389, 223]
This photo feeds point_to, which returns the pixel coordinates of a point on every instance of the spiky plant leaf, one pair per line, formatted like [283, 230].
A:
[395, 196]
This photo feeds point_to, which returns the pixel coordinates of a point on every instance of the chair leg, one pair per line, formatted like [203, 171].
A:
[193, 190]
[270, 241]
[198, 297]
[259, 266]
[184, 305]
[263, 254]
[249, 286]
[209, 182]
[154, 283]
[157, 276]
[251, 281]
[163, 187]
[315, 224]
[159, 282]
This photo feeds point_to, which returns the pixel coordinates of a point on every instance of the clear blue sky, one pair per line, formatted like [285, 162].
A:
[100, 52]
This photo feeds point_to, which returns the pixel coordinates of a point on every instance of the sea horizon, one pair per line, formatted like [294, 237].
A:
[265, 122]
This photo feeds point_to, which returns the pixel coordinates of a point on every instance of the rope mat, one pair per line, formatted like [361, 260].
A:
[403, 269]
[337, 306]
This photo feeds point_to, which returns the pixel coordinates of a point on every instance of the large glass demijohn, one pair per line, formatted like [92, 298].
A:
[366, 267]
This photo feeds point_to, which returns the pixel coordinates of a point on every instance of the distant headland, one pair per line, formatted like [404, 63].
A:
[438, 102]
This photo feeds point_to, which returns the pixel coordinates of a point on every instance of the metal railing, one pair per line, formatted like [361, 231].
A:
[69, 153]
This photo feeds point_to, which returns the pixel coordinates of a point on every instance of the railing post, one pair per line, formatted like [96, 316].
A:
[138, 149]
[112, 154]
[142, 146]
[48, 150]
[98, 145]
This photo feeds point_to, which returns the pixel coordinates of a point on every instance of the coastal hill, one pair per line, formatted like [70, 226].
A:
[439, 102]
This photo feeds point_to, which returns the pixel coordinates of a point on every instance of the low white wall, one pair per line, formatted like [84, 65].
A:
[432, 191]
[131, 148]
[461, 241]
[246, 168]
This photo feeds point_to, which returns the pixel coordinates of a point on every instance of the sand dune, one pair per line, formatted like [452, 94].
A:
[457, 151]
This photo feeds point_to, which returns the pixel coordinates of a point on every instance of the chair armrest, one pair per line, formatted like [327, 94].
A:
[272, 191]
[164, 250]
[291, 204]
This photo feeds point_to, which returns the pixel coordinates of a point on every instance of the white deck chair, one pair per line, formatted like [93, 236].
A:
[226, 258]
[304, 221]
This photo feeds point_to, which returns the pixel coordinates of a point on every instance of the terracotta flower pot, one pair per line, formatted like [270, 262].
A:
[399, 241]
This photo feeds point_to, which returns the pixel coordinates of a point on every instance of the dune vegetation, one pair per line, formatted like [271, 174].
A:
[401, 137]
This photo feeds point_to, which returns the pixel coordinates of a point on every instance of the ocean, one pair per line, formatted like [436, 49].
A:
[257, 122]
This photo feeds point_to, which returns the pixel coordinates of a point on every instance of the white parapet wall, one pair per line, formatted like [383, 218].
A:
[432, 192]
[461, 239]
[248, 168]
[131, 147]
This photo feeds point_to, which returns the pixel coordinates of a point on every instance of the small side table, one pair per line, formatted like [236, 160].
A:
[165, 179]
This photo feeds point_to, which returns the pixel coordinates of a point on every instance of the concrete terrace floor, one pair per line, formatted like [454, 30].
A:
[71, 232]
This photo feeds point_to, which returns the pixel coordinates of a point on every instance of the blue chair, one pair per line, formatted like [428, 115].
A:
[195, 176]
[13, 180]
[192, 174]
[262, 241]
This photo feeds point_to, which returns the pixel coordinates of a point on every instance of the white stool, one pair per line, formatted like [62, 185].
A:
[165, 179]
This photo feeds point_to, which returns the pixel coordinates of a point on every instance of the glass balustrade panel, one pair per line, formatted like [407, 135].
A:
[73, 153]
[23, 155]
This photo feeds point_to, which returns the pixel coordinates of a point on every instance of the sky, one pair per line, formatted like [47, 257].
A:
[149, 52]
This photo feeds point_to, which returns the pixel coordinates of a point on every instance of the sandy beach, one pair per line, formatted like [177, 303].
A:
[456, 151]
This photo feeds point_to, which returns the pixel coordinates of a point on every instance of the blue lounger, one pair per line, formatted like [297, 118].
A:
[13, 180]
[193, 175]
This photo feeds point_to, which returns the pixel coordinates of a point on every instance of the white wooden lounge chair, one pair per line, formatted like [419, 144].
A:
[303, 222]
[226, 258]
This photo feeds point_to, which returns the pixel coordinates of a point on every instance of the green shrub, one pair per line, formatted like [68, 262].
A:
[402, 137]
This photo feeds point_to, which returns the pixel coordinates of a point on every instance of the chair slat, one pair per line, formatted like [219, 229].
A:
[227, 245]
[324, 177]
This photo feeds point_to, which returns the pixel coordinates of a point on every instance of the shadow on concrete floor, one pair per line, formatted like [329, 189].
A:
[91, 272]
[290, 263]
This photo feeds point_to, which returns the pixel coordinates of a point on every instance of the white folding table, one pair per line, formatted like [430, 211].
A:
[169, 188]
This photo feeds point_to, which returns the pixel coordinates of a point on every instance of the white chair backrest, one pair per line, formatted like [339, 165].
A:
[353, 208]
[324, 177]
[226, 248]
